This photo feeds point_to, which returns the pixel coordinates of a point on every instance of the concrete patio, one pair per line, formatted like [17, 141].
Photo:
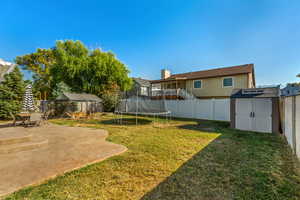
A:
[32, 155]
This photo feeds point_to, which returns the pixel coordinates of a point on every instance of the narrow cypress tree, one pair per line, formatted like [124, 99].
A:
[11, 93]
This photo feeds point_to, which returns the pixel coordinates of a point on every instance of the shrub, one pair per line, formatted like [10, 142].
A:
[110, 98]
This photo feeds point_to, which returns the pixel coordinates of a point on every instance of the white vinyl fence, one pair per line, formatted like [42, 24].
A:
[292, 122]
[211, 109]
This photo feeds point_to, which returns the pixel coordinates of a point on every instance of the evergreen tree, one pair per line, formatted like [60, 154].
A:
[11, 93]
[60, 88]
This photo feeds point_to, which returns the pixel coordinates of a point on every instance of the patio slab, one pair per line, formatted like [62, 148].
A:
[66, 149]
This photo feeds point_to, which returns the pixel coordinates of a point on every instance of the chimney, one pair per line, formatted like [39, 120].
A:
[165, 74]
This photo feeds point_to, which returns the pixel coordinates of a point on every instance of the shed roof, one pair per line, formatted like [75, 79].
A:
[256, 93]
[66, 96]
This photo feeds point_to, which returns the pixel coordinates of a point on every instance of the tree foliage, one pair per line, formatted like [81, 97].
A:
[72, 63]
[11, 93]
[60, 88]
[39, 63]
[90, 71]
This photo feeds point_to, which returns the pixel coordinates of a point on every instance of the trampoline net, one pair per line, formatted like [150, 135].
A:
[139, 105]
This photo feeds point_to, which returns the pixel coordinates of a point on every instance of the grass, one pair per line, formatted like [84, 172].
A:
[178, 160]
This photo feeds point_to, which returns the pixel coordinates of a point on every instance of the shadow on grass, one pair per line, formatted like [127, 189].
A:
[126, 121]
[236, 165]
[205, 126]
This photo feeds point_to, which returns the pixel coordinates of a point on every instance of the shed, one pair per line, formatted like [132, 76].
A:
[81, 102]
[255, 109]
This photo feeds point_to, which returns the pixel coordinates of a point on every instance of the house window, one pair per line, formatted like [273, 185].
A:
[144, 91]
[197, 84]
[227, 82]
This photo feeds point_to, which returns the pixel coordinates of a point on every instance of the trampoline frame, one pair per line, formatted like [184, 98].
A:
[136, 113]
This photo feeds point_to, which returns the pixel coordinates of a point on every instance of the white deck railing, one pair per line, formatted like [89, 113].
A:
[173, 92]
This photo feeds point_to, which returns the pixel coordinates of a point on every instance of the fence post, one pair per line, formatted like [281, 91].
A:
[297, 127]
[213, 109]
[294, 124]
[194, 111]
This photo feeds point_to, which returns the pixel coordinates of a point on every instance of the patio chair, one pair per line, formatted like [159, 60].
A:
[46, 116]
[90, 115]
[70, 115]
[34, 120]
[78, 115]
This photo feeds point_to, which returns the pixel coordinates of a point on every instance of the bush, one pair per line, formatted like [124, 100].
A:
[110, 98]
[7, 107]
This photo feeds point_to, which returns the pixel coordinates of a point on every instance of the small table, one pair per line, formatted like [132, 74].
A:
[24, 117]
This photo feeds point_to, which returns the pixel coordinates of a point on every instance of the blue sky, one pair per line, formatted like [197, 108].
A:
[148, 35]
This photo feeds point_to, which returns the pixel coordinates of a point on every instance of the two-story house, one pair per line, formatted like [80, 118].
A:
[291, 89]
[213, 83]
[140, 87]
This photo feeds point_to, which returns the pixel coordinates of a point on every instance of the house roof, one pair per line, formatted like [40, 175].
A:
[66, 96]
[142, 82]
[212, 73]
[5, 68]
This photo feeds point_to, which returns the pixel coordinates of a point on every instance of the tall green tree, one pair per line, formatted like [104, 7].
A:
[39, 63]
[72, 63]
[85, 70]
[11, 93]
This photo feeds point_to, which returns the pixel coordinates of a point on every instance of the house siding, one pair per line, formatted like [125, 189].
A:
[213, 87]
[250, 80]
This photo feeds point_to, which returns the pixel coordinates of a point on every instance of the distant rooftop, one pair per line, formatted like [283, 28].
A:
[5, 68]
[2, 62]
[142, 82]
[269, 86]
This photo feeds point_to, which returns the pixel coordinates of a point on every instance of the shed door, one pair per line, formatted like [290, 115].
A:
[243, 108]
[262, 120]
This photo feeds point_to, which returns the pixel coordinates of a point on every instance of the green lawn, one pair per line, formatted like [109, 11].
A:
[178, 160]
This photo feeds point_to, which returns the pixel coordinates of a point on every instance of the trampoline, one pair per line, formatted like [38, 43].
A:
[141, 106]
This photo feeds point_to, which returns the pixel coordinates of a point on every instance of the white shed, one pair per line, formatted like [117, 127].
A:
[255, 109]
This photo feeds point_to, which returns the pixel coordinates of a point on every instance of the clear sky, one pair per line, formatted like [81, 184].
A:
[148, 35]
